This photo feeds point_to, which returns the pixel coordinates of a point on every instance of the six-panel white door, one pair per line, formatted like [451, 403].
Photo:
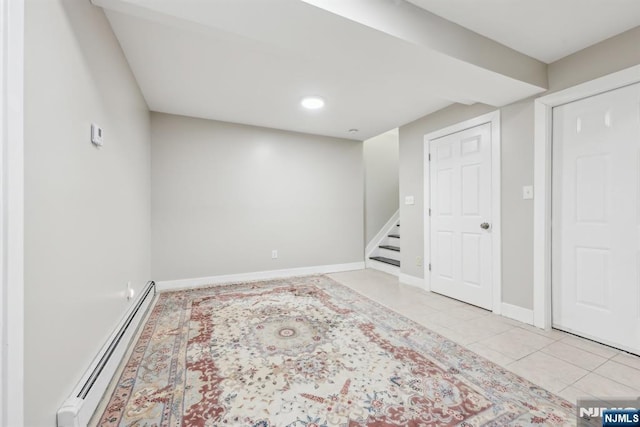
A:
[596, 218]
[460, 177]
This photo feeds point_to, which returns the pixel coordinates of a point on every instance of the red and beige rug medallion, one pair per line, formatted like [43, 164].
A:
[310, 352]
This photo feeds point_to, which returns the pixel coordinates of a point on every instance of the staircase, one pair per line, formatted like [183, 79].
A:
[386, 256]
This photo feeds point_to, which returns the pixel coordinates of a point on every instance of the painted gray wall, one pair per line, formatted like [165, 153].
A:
[412, 178]
[225, 195]
[517, 214]
[381, 181]
[87, 219]
[517, 124]
[614, 54]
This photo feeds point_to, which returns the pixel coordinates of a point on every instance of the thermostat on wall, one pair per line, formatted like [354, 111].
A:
[96, 134]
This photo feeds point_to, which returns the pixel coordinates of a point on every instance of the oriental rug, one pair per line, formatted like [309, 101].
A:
[310, 352]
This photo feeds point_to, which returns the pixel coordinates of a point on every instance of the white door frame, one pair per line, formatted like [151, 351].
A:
[542, 181]
[12, 213]
[496, 225]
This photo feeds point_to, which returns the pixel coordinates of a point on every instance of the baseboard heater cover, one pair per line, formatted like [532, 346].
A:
[78, 409]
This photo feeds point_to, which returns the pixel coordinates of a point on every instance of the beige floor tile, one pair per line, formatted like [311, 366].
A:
[363, 277]
[428, 304]
[545, 365]
[379, 298]
[422, 295]
[439, 297]
[439, 329]
[443, 303]
[528, 338]
[572, 394]
[551, 333]
[552, 359]
[628, 359]
[435, 327]
[620, 373]
[443, 318]
[491, 355]
[507, 320]
[468, 313]
[504, 344]
[406, 303]
[473, 330]
[454, 336]
[421, 316]
[590, 346]
[574, 355]
[541, 379]
[465, 337]
[494, 324]
[601, 387]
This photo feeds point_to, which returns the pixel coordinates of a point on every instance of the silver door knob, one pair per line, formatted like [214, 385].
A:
[485, 225]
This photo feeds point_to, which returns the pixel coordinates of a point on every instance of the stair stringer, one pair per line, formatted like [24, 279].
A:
[382, 238]
[386, 229]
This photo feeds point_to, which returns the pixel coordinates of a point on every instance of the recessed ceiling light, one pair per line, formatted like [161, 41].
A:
[312, 102]
[353, 130]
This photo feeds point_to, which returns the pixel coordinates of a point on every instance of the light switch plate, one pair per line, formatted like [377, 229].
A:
[527, 192]
[408, 200]
[96, 135]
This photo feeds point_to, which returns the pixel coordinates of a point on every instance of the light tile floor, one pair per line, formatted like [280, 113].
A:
[567, 365]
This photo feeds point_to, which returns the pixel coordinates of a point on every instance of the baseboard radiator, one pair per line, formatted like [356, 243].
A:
[78, 409]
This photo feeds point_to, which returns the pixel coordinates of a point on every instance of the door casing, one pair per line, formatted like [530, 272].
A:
[12, 213]
[496, 235]
[542, 180]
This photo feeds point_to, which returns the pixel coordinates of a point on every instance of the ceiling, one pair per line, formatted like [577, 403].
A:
[543, 29]
[377, 63]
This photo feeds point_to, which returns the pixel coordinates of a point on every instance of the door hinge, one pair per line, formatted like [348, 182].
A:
[429, 266]
[429, 156]
[429, 211]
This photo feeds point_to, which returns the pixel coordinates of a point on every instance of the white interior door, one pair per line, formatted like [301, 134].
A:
[460, 177]
[596, 218]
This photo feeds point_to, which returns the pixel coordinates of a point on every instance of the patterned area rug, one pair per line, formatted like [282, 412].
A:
[310, 352]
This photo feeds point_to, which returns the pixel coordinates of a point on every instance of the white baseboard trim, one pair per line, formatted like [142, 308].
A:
[386, 229]
[381, 266]
[410, 280]
[78, 409]
[169, 285]
[520, 314]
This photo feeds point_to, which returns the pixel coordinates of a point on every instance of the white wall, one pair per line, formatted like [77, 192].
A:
[381, 181]
[87, 219]
[225, 195]
[517, 122]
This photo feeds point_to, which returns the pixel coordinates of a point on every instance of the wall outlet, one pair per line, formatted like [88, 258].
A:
[418, 261]
[130, 292]
[274, 254]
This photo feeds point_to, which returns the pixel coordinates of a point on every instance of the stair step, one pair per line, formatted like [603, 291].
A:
[391, 248]
[397, 236]
[386, 260]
